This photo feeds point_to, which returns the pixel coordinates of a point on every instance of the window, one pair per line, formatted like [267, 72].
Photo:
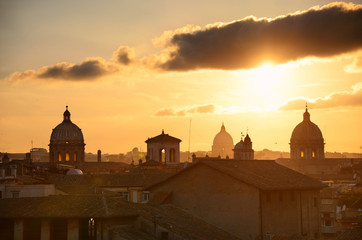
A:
[75, 156]
[164, 235]
[1, 194]
[172, 155]
[67, 156]
[15, 194]
[59, 157]
[91, 228]
[302, 154]
[313, 154]
[145, 196]
[125, 195]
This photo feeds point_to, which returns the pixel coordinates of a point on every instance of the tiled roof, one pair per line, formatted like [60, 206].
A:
[263, 174]
[80, 206]
[65, 206]
[83, 184]
[351, 234]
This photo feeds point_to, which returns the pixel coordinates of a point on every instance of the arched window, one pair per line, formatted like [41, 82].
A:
[59, 157]
[67, 156]
[162, 157]
[91, 228]
[75, 156]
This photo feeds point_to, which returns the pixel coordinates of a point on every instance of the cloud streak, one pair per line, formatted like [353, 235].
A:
[335, 100]
[318, 32]
[202, 109]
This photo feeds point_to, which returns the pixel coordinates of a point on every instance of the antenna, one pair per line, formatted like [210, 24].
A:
[32, 144]
[188, 155]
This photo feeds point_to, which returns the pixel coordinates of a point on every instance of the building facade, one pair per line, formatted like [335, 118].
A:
[66, 143]
[249, 199]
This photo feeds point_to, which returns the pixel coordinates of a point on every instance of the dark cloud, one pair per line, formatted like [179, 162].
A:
[334, 100]
[87, 70]
[124, 55]
[320, 32]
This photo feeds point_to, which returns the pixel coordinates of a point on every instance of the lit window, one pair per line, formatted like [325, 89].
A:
[75, 156]
[91, 228]
[302, 154]
[59, 157]
[313, 154]
[67, 156]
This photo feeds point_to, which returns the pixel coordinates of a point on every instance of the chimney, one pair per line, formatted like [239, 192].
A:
[99, 156]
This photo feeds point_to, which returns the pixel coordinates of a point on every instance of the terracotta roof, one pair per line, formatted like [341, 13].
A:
[64, 206]
[351, 234]
[263, 174]
[85, 184]
[163, 138]
[78, 206]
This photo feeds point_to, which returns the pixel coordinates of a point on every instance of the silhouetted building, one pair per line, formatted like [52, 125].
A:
[244, 149]
[307, 141]
[163, 149]
[223, 144]
[66, 142]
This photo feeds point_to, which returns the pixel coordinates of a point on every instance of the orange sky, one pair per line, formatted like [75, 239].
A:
[128, 70]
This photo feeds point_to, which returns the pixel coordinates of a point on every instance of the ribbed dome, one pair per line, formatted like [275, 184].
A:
[223, 138]
[306, 131]
[66, 131]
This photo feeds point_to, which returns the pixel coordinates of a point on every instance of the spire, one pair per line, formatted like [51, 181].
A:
[163, 132]
[306, 115]
[66, 114]
[222, 127]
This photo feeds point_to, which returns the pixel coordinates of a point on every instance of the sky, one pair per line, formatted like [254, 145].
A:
[128, 69]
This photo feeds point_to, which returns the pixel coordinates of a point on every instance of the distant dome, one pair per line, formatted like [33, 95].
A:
[306, 131]
[223, 137]
[239, 145]
[75, 172]
[67, 131]
[223, 144]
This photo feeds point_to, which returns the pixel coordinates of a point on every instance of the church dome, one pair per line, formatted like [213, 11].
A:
[67, 131]
[306, 131]
[223, 137]
[239, 145]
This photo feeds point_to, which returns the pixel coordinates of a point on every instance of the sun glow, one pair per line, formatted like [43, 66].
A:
[267, 82]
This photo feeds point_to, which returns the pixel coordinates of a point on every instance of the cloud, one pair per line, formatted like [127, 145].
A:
[355, 66]
[337, 99]
[202, 109]
[89, 69]
[124, 55]
[318, 32]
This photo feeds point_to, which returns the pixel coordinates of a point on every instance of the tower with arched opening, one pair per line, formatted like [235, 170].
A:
[163, 149]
